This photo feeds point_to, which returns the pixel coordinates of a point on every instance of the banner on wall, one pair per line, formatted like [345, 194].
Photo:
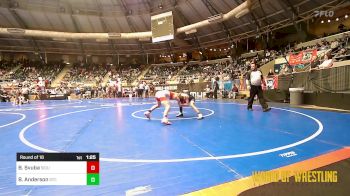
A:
[269, 83]
[302, 57]
[309, 56]
[275, 82]
[295, 59]
[272, 83]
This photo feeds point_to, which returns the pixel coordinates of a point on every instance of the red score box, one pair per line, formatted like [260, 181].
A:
[93, 167]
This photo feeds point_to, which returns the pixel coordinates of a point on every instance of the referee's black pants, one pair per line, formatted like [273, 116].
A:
[256, 90]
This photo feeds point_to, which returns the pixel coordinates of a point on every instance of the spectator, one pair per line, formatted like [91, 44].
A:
[341, 27]
[328, 62]
[141, 89]
[234, 91]
[146, 90]
[4, 97]
[216, 87]
[120, 88]
[343, 54]
[271, 73]
[208, 92]
[25, 92]
[241, 82]
[285, 70]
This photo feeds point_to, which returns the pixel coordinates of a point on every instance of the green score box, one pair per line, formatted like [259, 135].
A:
[92, 179]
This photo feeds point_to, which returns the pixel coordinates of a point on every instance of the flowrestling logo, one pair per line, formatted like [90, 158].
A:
[322, 13]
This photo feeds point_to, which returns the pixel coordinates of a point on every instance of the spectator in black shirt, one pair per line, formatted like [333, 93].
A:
[216, 87]
[341, 27]
[4, 97]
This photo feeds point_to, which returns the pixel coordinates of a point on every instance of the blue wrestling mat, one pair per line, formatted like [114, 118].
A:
[140, 154]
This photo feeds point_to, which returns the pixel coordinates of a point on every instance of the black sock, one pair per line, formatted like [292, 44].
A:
[181, 110]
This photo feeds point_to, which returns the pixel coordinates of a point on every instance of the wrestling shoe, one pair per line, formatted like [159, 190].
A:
[166, 121]
[180, 115]
[266, 109]
[147, 114]
[200, 116]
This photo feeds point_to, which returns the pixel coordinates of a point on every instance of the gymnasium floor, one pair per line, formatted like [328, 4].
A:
[190, 155]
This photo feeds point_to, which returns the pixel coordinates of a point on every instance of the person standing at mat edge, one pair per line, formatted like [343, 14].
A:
[254, 81]
[216, 87]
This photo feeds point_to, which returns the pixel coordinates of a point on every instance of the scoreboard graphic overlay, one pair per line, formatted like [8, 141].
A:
[57, 169]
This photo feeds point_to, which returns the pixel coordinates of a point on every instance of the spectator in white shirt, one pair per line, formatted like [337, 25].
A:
[328, 62]
[146, 90]
[141, 89]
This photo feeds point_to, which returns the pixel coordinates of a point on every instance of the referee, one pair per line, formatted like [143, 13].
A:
[254, 81]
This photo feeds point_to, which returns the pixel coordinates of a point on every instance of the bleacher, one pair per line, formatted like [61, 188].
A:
[331, 38]
[31, 71]
[127, 73]
[162, 74]
[85, 74]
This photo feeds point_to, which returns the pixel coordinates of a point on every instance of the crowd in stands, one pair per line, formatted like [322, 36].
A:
[5, 68]
[128, 73]
[82, 74]
[333, 51]
[195, 73]
[29, 73]
[33, 71]
[161, 74]
[224, 70]
[105, 80]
